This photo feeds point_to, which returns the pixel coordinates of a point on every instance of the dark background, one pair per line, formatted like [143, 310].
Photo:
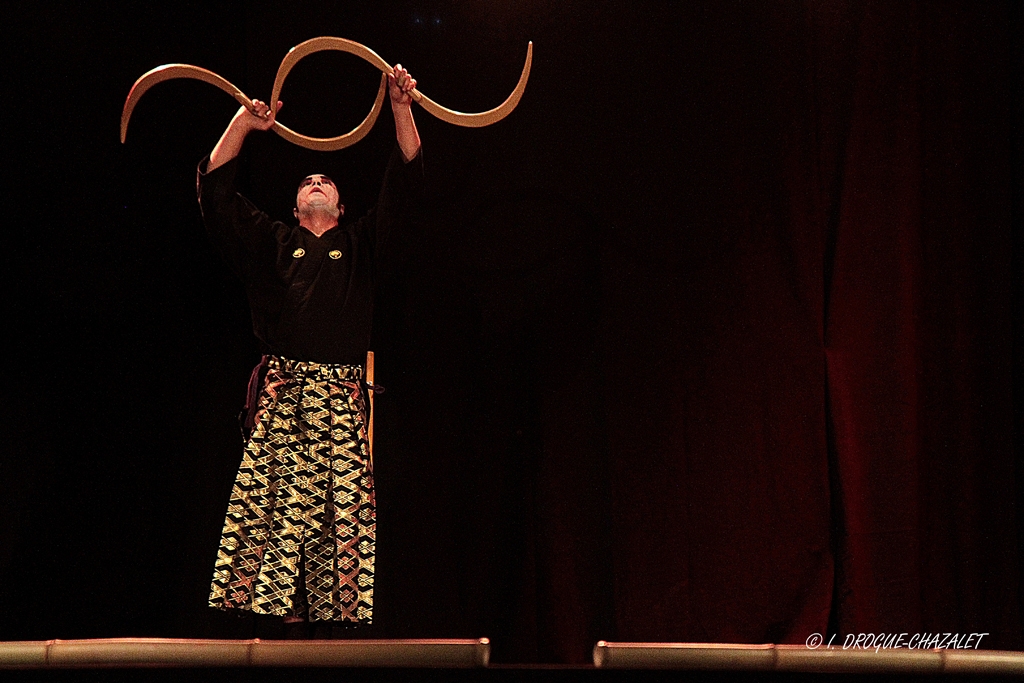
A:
[710, 340]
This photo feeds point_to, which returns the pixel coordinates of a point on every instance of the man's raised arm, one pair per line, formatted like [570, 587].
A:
[244, 122]
[400, 84]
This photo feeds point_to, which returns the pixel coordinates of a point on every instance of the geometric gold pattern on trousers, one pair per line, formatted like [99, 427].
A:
[300, 532]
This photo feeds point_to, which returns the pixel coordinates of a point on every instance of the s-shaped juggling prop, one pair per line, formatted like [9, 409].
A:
[171, 71]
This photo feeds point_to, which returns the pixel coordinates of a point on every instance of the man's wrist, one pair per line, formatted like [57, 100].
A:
[245, 121]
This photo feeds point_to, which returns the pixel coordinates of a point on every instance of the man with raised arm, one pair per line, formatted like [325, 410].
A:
[299, 536]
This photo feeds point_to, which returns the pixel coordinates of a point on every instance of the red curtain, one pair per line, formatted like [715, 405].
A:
[817, 430]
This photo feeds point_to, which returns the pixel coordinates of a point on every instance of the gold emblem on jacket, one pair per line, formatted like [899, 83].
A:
[334, 254]
[299, 253]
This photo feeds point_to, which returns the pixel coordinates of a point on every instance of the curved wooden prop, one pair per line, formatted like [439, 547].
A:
[170, 71]
[368, 377]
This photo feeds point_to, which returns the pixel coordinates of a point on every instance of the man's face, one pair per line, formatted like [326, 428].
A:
[315, 193]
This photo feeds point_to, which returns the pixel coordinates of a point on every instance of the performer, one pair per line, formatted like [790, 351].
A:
[299, 536]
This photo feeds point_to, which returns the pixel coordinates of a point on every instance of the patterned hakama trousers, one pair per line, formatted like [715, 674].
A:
[299, 536]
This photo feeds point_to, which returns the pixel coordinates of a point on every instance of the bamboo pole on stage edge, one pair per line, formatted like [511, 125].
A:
[121, 653]
[799, 658]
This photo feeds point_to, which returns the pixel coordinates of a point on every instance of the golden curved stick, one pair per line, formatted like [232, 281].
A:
[476, 120]
[168, 72]
[341, 141]
[171, 71]
[304, 49]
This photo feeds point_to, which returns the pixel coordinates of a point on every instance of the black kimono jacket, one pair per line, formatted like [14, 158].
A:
[311, 297]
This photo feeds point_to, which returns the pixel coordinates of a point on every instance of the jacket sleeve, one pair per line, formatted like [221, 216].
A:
[242, 233]
[399, 194]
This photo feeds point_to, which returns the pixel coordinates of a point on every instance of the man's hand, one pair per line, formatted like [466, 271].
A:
[261, 118]
[400, 84]
[242, 124]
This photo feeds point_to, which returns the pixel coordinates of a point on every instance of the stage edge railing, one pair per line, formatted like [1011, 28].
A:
[173, 652]
[167, 652]
[798, 658]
